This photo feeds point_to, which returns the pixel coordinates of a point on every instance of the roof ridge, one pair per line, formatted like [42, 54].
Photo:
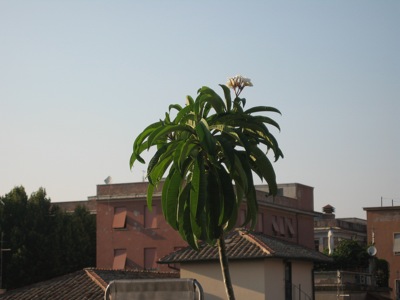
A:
[96, 278]
[255, 240]
[128, 270]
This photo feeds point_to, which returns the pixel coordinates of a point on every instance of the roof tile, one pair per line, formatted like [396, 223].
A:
[245, 244]
[87, 284]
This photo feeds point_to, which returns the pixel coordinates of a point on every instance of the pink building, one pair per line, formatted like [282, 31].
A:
[130, 236]
[383, 230]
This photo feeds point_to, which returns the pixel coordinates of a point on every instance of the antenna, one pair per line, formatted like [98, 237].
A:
[108, 180]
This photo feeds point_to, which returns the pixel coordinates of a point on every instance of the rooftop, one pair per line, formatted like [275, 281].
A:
[244, 244]
[88, 284]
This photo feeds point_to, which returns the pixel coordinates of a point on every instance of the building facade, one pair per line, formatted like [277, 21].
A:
[383, 228]
[130, 236]
[329, 230]
[261, 267]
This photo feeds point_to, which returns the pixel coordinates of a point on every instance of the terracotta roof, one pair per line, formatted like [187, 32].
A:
[244, 244]
[86, 284]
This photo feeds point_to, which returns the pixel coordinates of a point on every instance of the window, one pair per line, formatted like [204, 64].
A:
[275, 226]
[289, 225]
[278, 225]
[150, 255]
[119, 259]
[396, 244]
[150, 217]
[281, 223]
[119, 221]
[288, 281]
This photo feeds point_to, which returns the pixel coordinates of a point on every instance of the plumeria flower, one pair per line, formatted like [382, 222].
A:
[238, 83]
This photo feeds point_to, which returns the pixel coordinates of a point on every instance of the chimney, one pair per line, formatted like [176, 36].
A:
[328, 212]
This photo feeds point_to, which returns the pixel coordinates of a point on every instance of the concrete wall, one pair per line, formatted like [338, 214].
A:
[256, 280]
[247, 278]
[302, 278]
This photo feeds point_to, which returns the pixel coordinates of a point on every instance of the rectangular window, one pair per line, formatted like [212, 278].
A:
[150, 217]
[289, 225]
[150, 256]
[396, 244]
[275, 226]
[281, 223]
[119, 221]
[119, 259]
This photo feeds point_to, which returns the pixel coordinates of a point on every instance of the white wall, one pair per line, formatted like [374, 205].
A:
[247, 278]
[252, 279]
[302, 277]
[274, 279]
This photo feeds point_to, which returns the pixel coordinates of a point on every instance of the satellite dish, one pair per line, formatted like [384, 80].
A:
[108, 180]
[372, 250]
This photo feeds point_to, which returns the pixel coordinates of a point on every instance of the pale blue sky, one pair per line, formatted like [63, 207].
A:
[80, 79]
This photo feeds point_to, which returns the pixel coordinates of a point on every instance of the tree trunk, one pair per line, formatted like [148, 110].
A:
[223, 259]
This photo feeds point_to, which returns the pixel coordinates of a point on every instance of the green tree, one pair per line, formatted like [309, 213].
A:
[44, 240]
[350, 255]
[209, 151]
[382, 272]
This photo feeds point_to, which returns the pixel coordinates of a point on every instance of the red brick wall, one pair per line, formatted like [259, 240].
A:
[384, 223]
[294, 225]
[135, 237]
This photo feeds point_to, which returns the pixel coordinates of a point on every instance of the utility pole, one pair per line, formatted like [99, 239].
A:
[1, 262]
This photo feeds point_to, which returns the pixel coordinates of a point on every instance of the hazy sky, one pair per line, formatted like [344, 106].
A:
[80, 79]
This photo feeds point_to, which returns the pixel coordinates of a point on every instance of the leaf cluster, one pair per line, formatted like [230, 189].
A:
[208, 151]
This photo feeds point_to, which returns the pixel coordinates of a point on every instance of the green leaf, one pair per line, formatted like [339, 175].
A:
[214, 205]
[228, 196]
[189, 100]
[150, 191]
[198, 195]
[155, 159]
[183, 112]
[169, 198]
[175, 106]
[164, 131]
[227, 94]
[266, 120]
[186, 229]
[266, 169]
[158, 171]
[209, 96]
[207, 141]
[240, 172]
[138, 145]
[187, 152]
[228, 149]
[262, 109]
[236, 205]
[250, 193]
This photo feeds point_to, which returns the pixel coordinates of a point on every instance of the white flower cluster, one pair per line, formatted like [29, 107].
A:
[238, 83]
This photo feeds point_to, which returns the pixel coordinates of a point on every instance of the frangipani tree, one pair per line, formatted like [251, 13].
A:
[208, 152]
